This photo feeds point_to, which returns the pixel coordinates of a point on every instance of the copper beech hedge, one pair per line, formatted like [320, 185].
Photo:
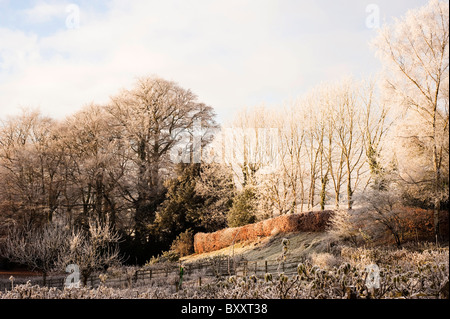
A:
[307, 222]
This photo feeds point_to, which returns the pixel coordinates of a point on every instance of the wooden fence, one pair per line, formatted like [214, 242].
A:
[165, 274]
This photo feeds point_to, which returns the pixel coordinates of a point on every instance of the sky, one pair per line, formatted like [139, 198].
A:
[59, 56]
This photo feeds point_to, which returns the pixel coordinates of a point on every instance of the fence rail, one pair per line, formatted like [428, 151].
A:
[169, 273]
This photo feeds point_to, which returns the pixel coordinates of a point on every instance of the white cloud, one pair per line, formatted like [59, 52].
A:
[44, 11]
[230, 53]
[17, 50]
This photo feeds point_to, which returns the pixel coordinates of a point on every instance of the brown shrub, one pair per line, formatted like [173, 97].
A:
[183, 244]
[419, 224]
[306, 222]
[399, 225]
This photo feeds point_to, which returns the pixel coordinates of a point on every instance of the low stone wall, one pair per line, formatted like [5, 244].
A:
[306, 222]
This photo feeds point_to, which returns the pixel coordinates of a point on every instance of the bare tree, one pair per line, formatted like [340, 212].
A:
[246, 143]
[344, 226]
[37, 248]
[152, 117]
[292, 143]
[350, 137]
[29, 167]
[382, 213]
[333, 154]
[415, 52]
[323, 144]
[95, 163]
[375, 122]
[92, 250]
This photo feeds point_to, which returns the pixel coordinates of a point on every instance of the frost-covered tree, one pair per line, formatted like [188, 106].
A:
[375, 122]
[91, 250]
[38, 248]
[216, 187]
[95, 163]
[152, 117]
[415, 51]
[29, 168]
[244, 144]
[316, 149]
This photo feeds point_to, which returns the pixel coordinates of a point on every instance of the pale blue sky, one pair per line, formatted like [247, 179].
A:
[232, 53]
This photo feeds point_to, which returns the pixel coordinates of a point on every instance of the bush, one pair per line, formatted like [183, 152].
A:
[184, 243]
[325, 260]
[169, 256]
[384, 219]
[344, 225]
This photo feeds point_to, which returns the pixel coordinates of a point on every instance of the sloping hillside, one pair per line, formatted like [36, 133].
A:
[301, 244]
[313, 221]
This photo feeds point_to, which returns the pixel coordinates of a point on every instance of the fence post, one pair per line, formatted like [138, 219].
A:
[150, 274]
[265, 266]
[199, 281]
[256, 267]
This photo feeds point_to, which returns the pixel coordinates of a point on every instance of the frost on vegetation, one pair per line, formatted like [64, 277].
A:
[419, 273]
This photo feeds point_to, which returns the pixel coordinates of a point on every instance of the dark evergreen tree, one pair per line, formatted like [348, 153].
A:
[243, 210]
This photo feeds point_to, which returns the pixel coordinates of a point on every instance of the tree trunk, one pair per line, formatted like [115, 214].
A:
[349, 196]
[336, 198]
[323, 192]
[349, 187]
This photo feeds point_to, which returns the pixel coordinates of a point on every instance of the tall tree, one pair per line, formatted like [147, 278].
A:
[94, 164]
[181, 207]
[216, 187]
[415, 52]
[29, 166]
[153, 116]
